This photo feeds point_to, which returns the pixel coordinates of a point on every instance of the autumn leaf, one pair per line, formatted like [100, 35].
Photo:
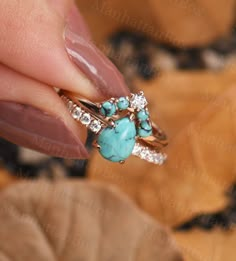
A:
[78, 221]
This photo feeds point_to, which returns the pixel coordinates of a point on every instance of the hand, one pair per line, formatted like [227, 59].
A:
[46, 44]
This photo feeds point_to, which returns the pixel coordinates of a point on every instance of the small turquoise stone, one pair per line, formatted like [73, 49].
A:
[145, 129]
[122, 103]
[108, 109]
[143, 115]
[117, 143]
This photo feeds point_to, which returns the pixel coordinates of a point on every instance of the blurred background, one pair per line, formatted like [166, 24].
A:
[182, 54]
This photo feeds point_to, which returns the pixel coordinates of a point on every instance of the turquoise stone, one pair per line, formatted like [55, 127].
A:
[143, 115]
[145, 129]
[122, 103]
[108, 109]
[117, 143]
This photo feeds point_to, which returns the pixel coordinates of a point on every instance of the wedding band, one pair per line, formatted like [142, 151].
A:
[122, 125]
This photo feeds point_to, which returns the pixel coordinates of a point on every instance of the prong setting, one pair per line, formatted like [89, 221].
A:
[132, 116]
[111, 123]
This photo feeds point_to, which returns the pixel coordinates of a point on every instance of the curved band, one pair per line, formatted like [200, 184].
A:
[93, 116]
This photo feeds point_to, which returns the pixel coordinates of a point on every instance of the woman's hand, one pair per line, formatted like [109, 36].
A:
[46, 44]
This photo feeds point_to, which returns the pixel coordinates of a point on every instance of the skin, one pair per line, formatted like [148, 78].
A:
[33, 60]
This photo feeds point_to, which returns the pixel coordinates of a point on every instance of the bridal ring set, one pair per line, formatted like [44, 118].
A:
[122, 126]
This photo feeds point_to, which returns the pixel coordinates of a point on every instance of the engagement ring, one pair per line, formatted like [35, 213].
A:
[122, 125]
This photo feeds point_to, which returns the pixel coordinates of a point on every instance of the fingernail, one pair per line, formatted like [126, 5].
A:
[34, 129]
[106, 78]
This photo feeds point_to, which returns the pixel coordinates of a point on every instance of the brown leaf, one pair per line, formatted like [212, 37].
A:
[6, 178]
[198, 112]
[191, 23]
[216, 245]
[77, 221]
[181, 23]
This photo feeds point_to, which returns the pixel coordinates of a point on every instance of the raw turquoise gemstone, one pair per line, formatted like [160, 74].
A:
[145, 129]
[117, 143]
[108, 109]
[143, 115]
[122, 103]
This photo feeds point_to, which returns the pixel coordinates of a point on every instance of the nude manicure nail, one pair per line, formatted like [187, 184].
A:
[93, 63]
[34, 129]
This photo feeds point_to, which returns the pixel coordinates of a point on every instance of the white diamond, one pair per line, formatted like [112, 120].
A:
[137, 149]
[70, 105]
[138, 101]
[63, 98]
[76, 113]
[85, 119]
[95, 126]
[144, 154]
[159, 158]
[163, 158]
[150, 156]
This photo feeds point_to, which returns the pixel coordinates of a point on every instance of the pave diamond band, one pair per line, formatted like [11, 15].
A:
[123, 127]
[149, 155]
[79, 114]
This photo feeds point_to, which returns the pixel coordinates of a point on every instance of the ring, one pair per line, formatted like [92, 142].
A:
[122, 125]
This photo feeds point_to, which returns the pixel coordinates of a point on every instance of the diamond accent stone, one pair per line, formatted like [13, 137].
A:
[138, 101]
[159, 158]
[149, 155]
[137, 149]
[144, 154]
[85, 119]
[70, 105]
[76, 113]
[95, 126]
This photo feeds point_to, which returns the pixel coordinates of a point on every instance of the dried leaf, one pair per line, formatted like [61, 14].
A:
[191, 23]
[77, 221]
[6, 178]
[216, 245]
[181, 23]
